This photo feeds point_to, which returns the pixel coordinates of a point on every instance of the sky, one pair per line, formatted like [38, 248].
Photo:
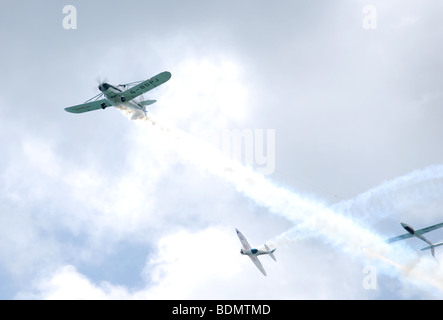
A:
[340, 107]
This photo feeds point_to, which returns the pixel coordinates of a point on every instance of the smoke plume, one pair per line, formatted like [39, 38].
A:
[334, 225]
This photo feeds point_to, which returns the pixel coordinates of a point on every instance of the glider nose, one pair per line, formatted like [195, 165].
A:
[408, 228]
[103, 86]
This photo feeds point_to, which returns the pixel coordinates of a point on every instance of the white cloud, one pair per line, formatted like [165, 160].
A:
[207, 265]
[75, 187]
[68, 283]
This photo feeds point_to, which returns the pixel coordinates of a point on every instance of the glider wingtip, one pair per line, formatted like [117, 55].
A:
[168, 75]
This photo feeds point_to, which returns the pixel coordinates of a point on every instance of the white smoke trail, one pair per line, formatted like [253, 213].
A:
[417, 187]
[311, 217]
[396, 195]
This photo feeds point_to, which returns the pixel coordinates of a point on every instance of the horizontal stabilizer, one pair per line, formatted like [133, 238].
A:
[433, 246]
[147, 102]
[271, 253]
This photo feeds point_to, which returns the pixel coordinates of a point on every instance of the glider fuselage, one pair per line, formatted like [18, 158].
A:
[113, 94]
[253, 252]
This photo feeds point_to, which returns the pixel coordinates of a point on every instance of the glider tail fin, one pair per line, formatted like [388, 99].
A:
[271, 253]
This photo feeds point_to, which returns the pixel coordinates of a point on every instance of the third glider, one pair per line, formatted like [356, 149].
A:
[419, 234]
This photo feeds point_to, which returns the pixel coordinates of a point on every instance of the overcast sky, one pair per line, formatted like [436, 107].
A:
[100, 206]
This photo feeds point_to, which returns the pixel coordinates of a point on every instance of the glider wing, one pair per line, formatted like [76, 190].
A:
[258, 264]
[427, 229]
[403, 236]
[147, 85]
[89, 106]
[243, 240]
